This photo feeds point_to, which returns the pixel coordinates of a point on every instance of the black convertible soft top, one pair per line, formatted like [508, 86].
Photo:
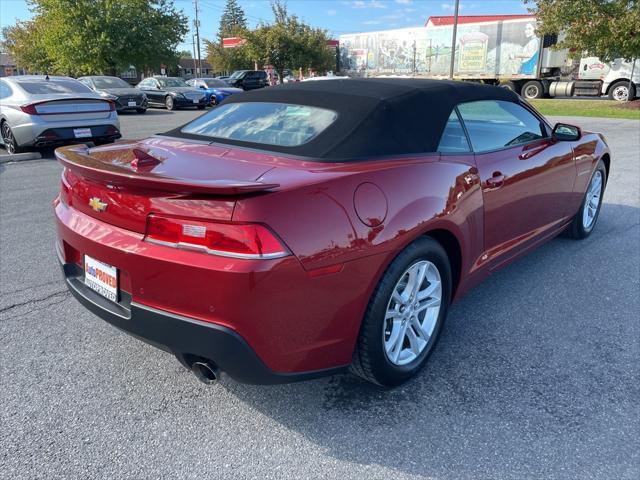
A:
[376, 117]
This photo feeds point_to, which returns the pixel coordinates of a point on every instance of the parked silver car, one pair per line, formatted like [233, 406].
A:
[38, 111]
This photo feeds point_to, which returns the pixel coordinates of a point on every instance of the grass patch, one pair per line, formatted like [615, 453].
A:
[585, 108]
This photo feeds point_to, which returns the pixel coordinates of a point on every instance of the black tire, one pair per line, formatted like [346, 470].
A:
[615, 88]
[141, 110]
[169, 103]
[370, 360]
[10, 143]
[532, 89]
[577, 229]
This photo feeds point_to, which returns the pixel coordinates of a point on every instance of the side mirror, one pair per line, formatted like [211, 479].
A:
[566, 133]
[158, 87]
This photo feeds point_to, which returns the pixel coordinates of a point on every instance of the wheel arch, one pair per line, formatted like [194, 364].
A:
[448, 240]
[606, 159]
[621, 79]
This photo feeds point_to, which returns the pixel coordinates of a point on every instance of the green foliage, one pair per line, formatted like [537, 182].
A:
[79, 37]
[290, 43]
[232, 20]
[607, 29]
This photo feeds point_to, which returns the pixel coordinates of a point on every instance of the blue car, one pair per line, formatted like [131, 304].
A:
[216, 90]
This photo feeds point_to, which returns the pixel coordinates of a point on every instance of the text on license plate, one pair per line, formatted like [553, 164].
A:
[132, 104]
[101, 278]
[195, 100]
[82, 132]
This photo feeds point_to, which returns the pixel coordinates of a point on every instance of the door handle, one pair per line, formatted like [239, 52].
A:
[496, 181]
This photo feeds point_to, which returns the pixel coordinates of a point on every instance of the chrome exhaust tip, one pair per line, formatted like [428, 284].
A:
[205, 371]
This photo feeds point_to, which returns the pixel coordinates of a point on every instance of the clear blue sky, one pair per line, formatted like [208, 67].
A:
[337, 16]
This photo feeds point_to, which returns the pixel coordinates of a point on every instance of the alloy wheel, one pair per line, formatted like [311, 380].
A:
[412, 312]
[592, 201]
[7, 138]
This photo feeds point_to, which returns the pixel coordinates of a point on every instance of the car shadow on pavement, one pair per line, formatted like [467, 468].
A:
[533, 376]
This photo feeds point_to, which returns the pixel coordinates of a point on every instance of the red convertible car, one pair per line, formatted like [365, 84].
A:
[300, 230]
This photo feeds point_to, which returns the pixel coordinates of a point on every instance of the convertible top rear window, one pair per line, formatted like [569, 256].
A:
[265, 123]
[340, 120]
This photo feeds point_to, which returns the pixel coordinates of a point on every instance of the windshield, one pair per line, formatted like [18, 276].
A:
[45, 87]
[215, 83]
[171, 82]
[279, 124]
[237, 73]
[110, 82]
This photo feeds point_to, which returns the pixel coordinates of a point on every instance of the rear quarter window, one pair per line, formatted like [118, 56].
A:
[280, 124]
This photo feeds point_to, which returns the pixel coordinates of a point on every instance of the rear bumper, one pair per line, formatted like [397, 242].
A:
[61, 136]
[31, 131]
[188, 339]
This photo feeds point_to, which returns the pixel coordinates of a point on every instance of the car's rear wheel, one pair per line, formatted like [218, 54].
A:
[10, 143]
[585, 220]
[405, 315]
[169, 103]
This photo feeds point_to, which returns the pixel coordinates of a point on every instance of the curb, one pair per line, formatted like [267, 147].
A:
[20, 157]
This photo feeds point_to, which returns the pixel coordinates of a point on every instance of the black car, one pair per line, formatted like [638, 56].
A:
[124, 95]
[248, 79]
[172, 92]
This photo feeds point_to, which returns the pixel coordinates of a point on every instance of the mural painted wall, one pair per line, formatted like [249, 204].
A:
[505, 48]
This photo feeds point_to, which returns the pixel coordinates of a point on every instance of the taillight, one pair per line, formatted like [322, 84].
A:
[112, 105]
[65, 190]
[29, 109]
[246, 240]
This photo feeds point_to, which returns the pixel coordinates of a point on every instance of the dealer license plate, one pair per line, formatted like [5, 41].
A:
[101, 278]
[196, 100]
[82, 132]
[132, 104]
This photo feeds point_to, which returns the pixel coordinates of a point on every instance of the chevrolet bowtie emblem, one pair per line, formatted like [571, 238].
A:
[97, 204]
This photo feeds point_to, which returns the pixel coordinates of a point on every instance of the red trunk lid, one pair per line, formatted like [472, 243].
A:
[121, 184]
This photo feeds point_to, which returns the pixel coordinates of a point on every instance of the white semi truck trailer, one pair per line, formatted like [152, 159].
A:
[505, 52]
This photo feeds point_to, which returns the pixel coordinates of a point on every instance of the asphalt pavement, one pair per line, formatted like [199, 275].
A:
[536, 375]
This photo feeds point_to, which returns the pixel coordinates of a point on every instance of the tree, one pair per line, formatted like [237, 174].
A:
[607, 29]
[185, 54]
[232, 24]
[232, 20]
[77, 37]
[290, 43]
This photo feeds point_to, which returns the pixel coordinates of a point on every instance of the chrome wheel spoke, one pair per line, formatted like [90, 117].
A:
[412, 312]
[592, 200]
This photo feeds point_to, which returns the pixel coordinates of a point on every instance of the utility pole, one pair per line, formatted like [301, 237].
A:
[193, 44]
[196, 24]
[453, 40]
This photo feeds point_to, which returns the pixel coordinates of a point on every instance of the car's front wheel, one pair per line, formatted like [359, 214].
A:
[10, 143]
[169, 103]
[585, 220]
[405, 315]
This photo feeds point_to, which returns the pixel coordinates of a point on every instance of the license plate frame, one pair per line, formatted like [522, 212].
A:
[102, 278]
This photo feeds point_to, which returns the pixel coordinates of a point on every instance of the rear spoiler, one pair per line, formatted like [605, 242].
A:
[85, 165]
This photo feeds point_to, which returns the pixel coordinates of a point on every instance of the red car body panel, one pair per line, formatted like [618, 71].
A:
[342, 222]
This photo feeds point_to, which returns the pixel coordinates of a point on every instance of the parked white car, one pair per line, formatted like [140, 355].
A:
[40, 111]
